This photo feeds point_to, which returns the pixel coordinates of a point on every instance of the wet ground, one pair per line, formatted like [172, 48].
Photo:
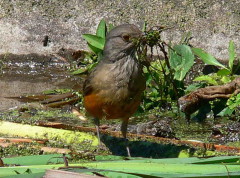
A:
[30, 75]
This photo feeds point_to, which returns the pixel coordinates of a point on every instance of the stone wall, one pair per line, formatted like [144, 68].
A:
[25, 23]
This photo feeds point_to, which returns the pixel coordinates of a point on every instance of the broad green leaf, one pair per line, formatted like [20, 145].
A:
[118, 174]
[232, 54]
[206, 78]
[223, 72]
[10, 172]
[35, 160]
[226, 112]
[94, 49]
[94, 40]
[207, 58]
[33, 175]
[173, 167]
[181, 60]
[159, 169]
[101, 29]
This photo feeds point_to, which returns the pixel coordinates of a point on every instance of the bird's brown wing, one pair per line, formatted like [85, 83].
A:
[87, 88]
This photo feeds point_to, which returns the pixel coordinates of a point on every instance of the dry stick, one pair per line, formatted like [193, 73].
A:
[65, 160]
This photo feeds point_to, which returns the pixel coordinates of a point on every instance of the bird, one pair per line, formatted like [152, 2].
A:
[114, 88]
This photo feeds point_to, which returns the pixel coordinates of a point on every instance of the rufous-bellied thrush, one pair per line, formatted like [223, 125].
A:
[114, 88]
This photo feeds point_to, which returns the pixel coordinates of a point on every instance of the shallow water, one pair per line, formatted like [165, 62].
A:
[21, 78]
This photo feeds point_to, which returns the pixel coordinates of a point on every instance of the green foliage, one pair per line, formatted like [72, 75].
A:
[152, 37]
[181, 60]
[207, 58]
[35, 160]
[157, 90]
[208, 79]
[224, 166]
[233, 105]
[164, 75]
[86, 65]
[96, 42]
[194, 87]
[224, 74]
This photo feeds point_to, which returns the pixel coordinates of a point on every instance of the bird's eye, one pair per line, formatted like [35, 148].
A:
[126, 37]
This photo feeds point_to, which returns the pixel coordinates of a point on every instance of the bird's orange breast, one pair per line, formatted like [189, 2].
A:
[99, 108]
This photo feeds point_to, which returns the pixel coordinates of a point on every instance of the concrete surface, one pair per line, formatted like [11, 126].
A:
[24, 24]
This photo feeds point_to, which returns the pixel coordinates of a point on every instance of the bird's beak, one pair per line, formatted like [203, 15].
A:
[138, 36]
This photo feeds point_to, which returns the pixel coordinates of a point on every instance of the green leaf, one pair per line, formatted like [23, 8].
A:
[142, 167]
[232, 54]
[194, 87]
[94, 40]
[226, 79]
[79, 71]
[35, 160]
[94, 49]
[207, 58]
[181, 60]
[206, 78]
[34, 175]
[226, 112]
[101, 29]
[223, 72]
[234, 101]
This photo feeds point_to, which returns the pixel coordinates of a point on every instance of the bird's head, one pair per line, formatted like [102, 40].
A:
[121, 41]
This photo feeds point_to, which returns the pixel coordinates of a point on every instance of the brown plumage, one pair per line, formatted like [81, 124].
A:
[113, 89]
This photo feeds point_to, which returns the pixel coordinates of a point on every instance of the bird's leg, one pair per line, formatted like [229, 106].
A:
[124, 133]
[97, 123]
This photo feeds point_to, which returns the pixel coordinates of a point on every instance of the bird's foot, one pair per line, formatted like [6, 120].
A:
[128, 151]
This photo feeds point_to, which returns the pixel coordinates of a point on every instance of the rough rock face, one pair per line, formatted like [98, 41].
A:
[25, 24]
